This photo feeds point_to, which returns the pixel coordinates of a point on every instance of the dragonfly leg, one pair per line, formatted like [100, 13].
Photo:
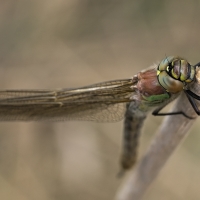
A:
[156, 113]
[191, 96]
[197, 65]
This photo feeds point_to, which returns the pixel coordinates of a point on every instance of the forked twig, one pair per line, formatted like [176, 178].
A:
[168, 137]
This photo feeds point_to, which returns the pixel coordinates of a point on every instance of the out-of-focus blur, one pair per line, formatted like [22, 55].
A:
[59, 44]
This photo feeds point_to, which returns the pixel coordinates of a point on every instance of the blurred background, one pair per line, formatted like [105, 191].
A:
[59, 44]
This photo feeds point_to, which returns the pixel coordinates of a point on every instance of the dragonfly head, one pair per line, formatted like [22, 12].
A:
[174, 73]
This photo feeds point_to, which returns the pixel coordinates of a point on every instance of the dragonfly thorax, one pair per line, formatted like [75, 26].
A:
[174, 72]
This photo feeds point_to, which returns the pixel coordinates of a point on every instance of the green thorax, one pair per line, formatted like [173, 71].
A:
[149, 90]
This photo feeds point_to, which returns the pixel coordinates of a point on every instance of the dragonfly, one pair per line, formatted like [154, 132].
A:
[129, 99]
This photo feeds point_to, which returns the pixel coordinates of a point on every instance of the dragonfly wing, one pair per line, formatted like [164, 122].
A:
[103, 102]
[101, 112]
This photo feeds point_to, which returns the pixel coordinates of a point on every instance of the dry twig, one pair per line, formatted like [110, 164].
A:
[168, 137]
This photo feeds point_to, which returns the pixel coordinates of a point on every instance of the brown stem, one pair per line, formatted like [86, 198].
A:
[170, 134]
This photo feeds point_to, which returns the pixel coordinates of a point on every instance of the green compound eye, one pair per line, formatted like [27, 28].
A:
[169, 83]
[174, 72]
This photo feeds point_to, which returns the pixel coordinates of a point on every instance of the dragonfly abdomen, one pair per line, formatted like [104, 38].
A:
[134, 119]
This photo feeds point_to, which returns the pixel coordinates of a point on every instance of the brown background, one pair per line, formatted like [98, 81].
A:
[56, 44]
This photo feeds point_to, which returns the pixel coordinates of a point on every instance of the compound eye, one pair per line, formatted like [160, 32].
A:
[169, 68]
[165, 62]
[169, 83]
[176, 70]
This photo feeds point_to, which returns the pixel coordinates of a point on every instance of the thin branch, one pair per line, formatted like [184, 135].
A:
[170, 134]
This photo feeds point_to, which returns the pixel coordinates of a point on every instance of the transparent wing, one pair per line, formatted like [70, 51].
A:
[104, 102]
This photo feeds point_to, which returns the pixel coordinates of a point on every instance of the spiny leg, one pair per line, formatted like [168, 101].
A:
[157, 110]
[191, 96]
